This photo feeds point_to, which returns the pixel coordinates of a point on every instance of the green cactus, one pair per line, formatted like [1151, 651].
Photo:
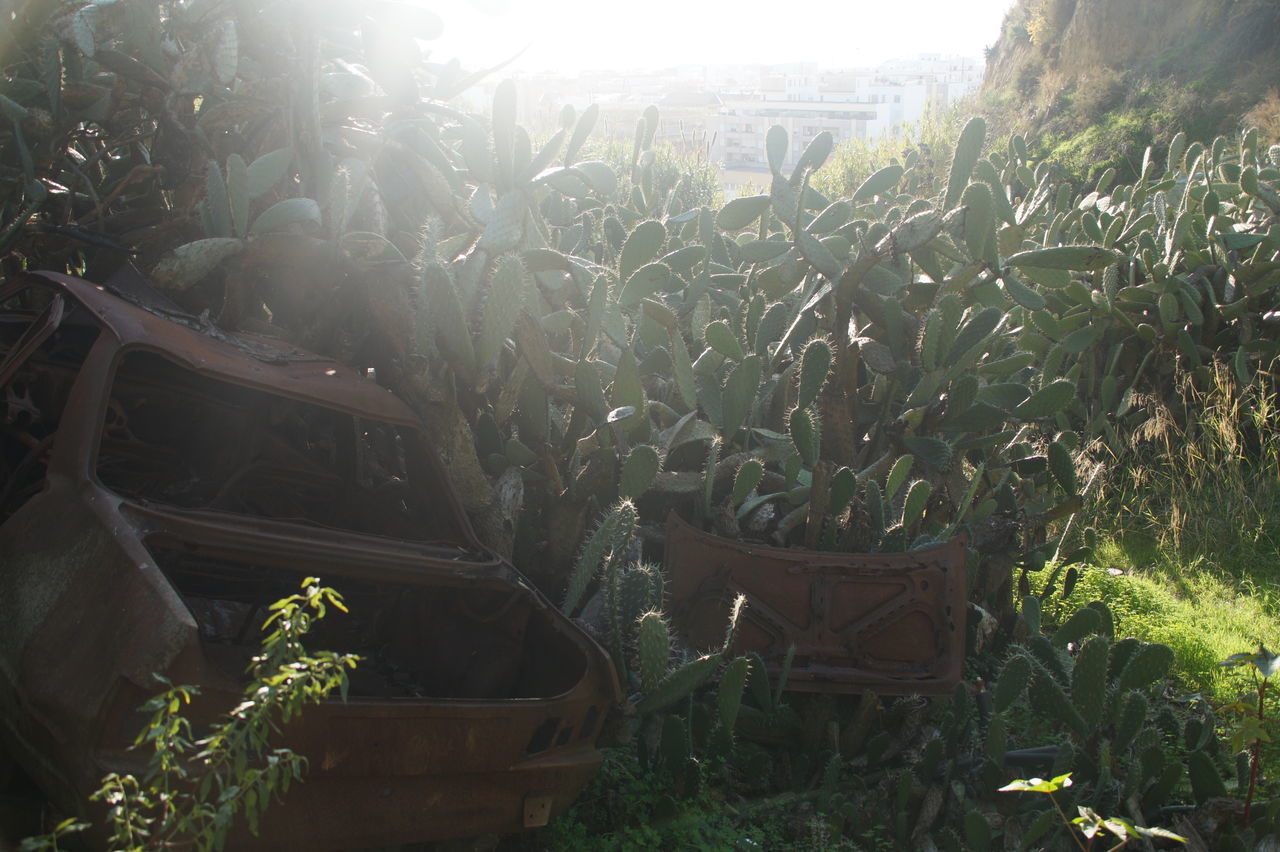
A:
[1148, 664]
[729, 694]
[1206, 780]
[1012, 682]
[1089, 680]
[749, 474]
[875, 508]
[676, 745]
[1080, 624]
[605, 545]
[653, 645]
[965, 157]
[914, 504]
[1047, 401]
[803, 426]
[640, 590]
[638, 471]
[1063, 467]
[1049, 699]
[815, 365]
[1133, 712]
[678, 684]
[1050, 658]
[740, 393]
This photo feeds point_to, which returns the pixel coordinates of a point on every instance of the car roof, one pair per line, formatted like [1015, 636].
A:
[254, 361]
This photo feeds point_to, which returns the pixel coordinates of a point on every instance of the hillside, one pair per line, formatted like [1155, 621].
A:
[1093, 82]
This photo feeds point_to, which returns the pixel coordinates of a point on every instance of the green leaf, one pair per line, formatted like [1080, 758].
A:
[722, 339]
[775, 142]
[878, 183]
[644, 282]
[13, 110]
[750, 472]
[238, 194]
[638, 471]
[741, 212]
[898, 475]
[268, 170]
[1037, 785]
[188, 264]
[1047, 401]
[740, 393]
[283, 214]
[642, 246]
[1079, 258]
[968, 149]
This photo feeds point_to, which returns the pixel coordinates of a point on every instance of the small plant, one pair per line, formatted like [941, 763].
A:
[194, 789]
[1252, 731]
[1088, 825]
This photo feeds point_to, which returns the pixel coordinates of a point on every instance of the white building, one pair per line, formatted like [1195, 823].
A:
[853, 104]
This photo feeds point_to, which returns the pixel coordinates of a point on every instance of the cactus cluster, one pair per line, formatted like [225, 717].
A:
[867, 373]
[1121, 741]
[591, 326]
[682, 733]
[933, 354]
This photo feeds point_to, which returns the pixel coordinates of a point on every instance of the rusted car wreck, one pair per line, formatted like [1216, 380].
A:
[163, 483]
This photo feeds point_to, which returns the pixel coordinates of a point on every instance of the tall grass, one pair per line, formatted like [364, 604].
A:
[1202, 478]
[1188, 522]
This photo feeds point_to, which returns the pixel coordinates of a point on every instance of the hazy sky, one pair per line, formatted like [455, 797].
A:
[571, 35]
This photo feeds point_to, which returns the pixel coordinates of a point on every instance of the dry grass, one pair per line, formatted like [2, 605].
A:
[1266, 116]
[1204, 479]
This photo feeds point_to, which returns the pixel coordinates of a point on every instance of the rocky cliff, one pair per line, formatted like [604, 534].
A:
[1129, 72]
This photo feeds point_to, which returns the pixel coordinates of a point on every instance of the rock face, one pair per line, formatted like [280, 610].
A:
[1096, 81]
[1232, 42]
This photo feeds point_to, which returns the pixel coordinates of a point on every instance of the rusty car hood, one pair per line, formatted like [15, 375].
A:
[889, 622]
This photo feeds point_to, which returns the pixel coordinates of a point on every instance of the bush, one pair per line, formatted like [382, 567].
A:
[194, 789]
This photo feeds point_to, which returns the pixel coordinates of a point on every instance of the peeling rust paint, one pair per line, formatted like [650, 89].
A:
[195, 478]
[890, 622]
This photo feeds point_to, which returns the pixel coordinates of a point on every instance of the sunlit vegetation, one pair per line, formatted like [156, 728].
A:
[885, 347]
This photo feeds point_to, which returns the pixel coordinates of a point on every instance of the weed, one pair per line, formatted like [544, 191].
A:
[194, 789]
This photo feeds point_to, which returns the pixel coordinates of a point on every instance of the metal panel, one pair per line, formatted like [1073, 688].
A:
[477, 706]
[891, 622]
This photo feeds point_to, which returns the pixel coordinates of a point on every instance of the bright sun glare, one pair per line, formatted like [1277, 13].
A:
[580, 35]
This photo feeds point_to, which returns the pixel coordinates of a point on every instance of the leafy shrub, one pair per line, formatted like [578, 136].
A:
[194, 789]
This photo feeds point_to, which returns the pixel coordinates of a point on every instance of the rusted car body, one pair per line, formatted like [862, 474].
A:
[164, 483]
[888, 622]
